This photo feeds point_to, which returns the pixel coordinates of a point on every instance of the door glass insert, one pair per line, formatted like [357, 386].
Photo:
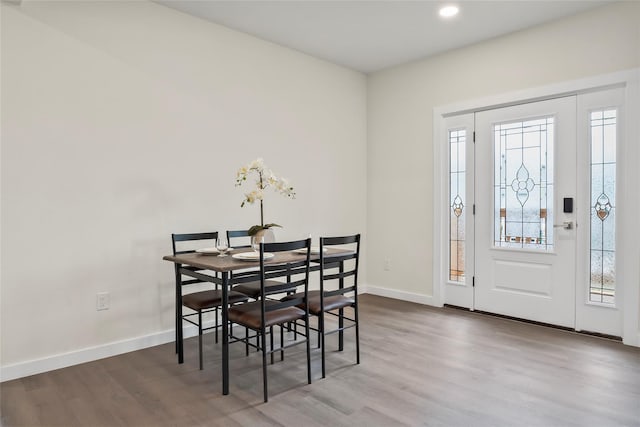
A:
[603, 193]
[457, 145]
[523, 184]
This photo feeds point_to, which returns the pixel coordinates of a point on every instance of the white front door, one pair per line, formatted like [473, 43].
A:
[525, 194]
[537, 216]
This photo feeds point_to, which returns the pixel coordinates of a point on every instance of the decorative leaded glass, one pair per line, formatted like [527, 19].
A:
[603, 192]
[457, 141]
[523, 184]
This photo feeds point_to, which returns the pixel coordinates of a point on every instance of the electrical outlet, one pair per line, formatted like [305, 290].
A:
[102, 301]
[387, 264]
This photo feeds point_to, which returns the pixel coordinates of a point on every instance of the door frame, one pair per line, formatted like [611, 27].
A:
[627, 244]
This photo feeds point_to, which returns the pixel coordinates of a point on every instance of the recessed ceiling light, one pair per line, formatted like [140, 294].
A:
[449, 11]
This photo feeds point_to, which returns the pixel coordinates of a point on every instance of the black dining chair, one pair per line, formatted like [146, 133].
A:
[263, 314]
[241, 239]
[199, 302]
[338, 291]
[238, 239]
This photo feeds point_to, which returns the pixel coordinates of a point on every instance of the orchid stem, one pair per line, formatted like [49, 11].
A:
[261, 214]
[261, 208]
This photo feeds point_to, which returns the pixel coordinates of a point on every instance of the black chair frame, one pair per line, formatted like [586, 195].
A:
[192, 237]
[297, 275]
[328, 266]
[234, 234]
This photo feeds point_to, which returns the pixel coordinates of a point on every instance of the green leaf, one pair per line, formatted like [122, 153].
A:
[254, 229]
[271, 225]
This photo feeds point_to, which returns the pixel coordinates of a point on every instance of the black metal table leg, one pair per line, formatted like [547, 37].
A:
[341, 313]
[179, 337]
[225, 333]
[175, 311]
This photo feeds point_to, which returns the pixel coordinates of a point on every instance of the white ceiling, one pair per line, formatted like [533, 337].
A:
[372, 35]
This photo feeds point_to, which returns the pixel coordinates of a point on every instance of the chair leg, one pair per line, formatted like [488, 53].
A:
[308, 344]
[178, 324]
[281, 342]
[271, 342]
[355, 317]
[200, 337]
[216, 314]
[321, 338]
[246, 340]
[264, 364]
[341, 331]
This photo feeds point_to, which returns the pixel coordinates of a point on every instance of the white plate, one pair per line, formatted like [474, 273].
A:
[252, 256]
[207, 251]
[210, 251]
[314, 250]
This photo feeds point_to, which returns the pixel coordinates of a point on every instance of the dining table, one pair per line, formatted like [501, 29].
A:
[213, 268]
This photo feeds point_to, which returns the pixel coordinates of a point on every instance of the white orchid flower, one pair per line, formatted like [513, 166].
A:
[253, 196]
[257, 165]
[265, 178]
[272, 179]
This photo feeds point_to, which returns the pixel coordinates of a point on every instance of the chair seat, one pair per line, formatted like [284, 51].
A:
[249, 315]
[252, 289]
[204, 300]
[333, 302]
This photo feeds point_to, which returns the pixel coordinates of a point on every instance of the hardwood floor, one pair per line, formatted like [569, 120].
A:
[420, 366]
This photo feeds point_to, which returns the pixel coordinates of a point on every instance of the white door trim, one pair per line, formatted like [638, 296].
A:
[630, 267]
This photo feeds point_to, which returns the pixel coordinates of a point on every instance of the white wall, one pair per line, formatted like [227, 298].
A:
[123, 122]
[401, 102]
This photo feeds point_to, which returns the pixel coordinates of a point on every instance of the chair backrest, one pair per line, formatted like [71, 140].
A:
[238, 236]
[241, 238]
[192, 237]
[296, 274]
[188, 239]
[342, 267]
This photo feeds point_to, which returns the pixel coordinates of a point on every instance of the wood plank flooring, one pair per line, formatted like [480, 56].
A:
[420, 366]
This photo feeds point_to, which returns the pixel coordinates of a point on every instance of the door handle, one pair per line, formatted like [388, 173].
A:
[567, 225]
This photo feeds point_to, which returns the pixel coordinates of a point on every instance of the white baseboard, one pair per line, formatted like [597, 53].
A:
[400, 295]
[631, 342]
[58, 361]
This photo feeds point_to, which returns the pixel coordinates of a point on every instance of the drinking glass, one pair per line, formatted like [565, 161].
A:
[222, 246]
[255, 242]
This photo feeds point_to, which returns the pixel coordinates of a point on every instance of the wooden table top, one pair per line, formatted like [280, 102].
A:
[229, 263]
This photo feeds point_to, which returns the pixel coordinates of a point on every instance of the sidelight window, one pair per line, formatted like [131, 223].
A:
[457, 146]
[603, 201]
